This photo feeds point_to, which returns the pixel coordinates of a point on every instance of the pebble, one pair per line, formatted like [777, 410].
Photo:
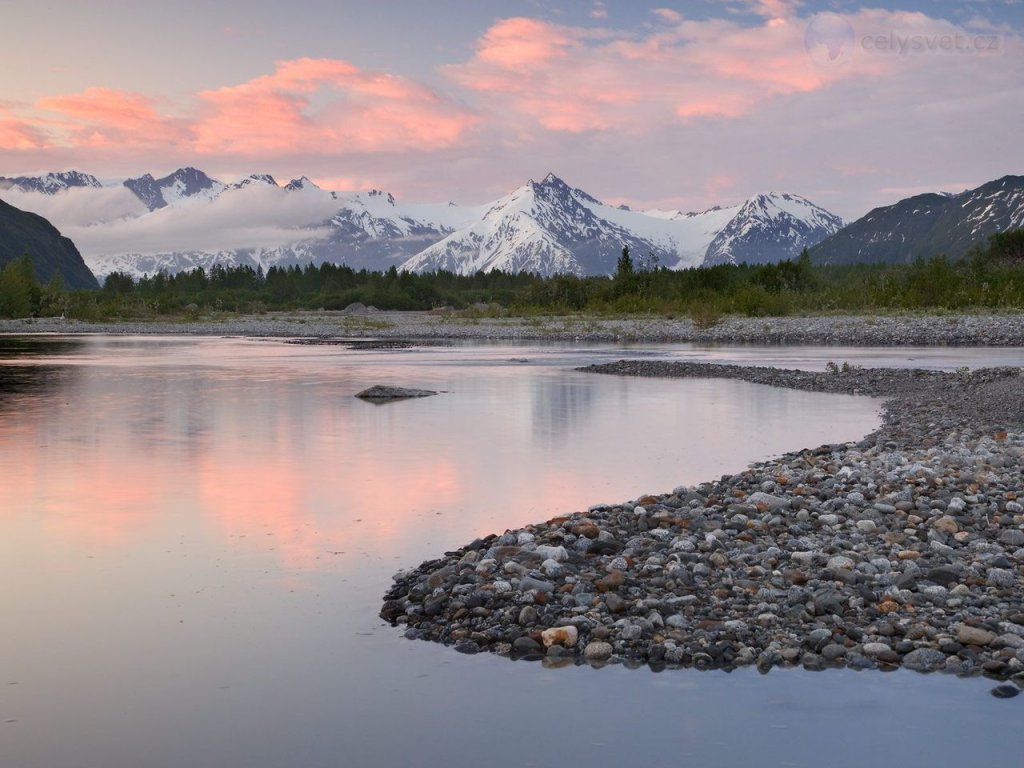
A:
[597, 651]
[903, 549]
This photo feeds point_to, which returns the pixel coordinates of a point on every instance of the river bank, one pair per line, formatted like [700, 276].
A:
[867, 330]
[903, 549]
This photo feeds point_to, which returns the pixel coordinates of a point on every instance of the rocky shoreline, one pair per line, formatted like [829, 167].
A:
[905, 549]
[851, 330]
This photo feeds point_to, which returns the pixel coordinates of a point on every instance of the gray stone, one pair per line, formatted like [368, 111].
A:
[528, 583]
[969, 635]
[925, 660]
[524, 645]
[597, 650]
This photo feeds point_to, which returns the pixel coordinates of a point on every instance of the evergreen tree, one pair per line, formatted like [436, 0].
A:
[624, 267]
[20, 292]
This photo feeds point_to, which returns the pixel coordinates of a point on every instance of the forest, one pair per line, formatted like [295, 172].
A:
[990, 278]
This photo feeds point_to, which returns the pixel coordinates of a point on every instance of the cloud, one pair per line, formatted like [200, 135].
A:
[654, 114]
[668, 15]
[104, 116]
[326, 105]
[111, 221]
[17, 134]
[577, 80]
[774, 9]
[79, 206]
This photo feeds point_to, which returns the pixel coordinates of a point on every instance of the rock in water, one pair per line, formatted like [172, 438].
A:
[382, 393]
[1005, 691]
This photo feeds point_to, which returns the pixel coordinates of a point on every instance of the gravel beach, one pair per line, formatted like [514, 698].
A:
[952, 329]
[903, 549]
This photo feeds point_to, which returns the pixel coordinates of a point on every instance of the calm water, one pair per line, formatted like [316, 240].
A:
[195, 536]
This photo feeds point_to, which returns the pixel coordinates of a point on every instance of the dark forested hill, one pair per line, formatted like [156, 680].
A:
[51, 253]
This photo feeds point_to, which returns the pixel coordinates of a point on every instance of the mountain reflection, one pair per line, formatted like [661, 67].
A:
[558, 405]
[259, 452]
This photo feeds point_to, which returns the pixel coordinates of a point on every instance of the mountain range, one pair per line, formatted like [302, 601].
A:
[927, 225]
[188, 219]
[545, 226]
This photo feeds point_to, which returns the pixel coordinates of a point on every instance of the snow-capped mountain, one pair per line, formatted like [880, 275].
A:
[50, 183]
[545, 227]
[140, 264]
[928, 225]
[184, 184]
[370, 230]
[255, 178]
[770, 228]
[548, 227]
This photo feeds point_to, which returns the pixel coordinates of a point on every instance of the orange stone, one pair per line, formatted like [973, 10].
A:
[610, 582]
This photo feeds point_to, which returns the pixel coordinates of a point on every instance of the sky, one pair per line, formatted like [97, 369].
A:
[671, 105]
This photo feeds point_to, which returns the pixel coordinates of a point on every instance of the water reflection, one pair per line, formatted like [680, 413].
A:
[196, 535]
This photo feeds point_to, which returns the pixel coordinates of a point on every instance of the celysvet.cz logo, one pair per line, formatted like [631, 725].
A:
[956, 42]
[831, 39]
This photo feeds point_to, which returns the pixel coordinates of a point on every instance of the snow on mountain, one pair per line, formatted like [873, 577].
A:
[545, 227]
[141, 264]
[183, 186]
[372, 230]
[550, 227]
[255, 178]
[769, 228]
[683, 237]
[50, 183]
[188, 219]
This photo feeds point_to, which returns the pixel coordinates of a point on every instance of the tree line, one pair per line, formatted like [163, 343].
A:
[990, 277]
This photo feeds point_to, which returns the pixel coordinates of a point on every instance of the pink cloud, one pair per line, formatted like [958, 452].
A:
[330, 106]
[19, 135]
[318, 106]
[99, 116]
[519, 44]
[574, 80]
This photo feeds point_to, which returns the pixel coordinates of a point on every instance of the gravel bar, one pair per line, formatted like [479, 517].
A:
[901, 330]
[905, 549]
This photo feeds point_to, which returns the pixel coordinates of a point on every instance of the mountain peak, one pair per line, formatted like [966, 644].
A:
[769, 227]
[50, 183]
[184, 183]
[303, 182]
[381, 193]
[256, 178]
